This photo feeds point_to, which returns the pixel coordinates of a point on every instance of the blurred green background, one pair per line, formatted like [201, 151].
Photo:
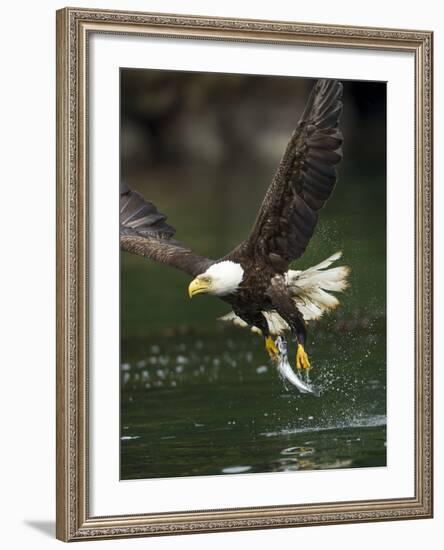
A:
[204, 147]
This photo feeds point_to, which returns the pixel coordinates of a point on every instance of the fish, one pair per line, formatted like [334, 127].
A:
[287, 373]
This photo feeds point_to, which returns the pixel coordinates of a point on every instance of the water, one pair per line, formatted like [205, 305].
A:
[216, 405]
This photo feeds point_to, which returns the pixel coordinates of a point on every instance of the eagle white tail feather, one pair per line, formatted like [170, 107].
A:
[276, 324]
[322, 265]
[231, 317]
[309, 291]
[310, 288]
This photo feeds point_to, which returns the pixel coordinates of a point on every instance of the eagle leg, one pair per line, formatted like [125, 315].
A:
[271, 348]
[286, 308]
[256, 319]
[302, 361]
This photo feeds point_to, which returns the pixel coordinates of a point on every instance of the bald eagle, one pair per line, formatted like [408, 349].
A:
[254, 278]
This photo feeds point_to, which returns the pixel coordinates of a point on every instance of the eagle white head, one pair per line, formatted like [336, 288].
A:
[220, 279]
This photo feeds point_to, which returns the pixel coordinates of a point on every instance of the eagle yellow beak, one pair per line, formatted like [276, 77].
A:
[198, 286]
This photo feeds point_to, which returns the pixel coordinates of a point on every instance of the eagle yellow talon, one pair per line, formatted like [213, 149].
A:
[271, 348]
[302, 361]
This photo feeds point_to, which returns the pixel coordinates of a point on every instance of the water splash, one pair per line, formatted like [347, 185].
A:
[236, 469]
[359, 422]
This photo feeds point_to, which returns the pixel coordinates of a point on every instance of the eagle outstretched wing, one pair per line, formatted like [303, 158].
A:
[144, 231]
[303, 183]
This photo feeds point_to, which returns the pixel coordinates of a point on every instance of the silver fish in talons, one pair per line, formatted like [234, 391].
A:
[288, 373]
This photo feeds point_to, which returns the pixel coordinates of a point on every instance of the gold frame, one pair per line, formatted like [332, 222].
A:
[73, 28]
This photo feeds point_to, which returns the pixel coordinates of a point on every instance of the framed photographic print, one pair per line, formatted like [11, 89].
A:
[244, 274]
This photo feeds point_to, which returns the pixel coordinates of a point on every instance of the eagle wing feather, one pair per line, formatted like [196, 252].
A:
[304, 181]
[144, 231]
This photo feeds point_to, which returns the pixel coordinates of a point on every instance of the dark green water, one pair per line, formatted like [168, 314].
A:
[206, 406]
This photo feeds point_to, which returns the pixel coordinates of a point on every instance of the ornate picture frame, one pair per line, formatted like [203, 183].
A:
[74, 30]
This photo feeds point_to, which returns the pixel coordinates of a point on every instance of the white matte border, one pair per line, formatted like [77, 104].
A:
[108, 495]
